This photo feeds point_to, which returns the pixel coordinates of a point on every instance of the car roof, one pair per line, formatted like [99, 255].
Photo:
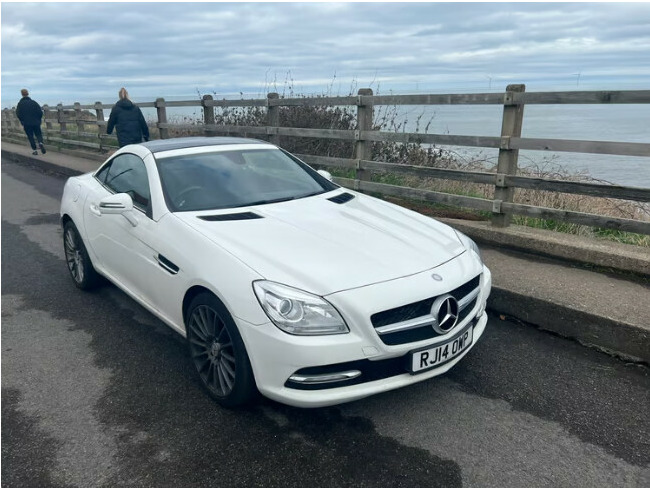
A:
[192, 142]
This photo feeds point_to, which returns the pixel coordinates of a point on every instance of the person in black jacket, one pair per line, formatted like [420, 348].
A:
[29, 114]
[127, 118]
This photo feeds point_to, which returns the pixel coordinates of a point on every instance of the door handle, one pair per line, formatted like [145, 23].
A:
[95, 209]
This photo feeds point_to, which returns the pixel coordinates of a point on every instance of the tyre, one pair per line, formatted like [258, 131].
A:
[81, 268]
[218, 353]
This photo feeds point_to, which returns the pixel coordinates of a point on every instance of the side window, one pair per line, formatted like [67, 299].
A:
[101, 175]
[127, 173]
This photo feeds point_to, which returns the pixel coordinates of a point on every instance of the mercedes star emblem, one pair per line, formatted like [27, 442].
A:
[445, 313]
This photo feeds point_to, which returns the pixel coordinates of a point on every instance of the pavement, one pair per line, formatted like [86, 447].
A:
[594, 291]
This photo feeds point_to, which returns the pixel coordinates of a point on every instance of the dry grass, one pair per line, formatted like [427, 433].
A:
[615, 208]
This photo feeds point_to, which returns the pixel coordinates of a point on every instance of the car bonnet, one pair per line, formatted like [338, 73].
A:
[323, 247]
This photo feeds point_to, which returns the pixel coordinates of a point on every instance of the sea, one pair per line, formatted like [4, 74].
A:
[622, 123]
[591, 122]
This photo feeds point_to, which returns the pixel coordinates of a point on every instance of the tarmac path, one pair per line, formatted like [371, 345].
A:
[98, 392]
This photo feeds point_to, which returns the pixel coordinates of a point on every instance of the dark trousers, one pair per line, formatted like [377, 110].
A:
[32, 130]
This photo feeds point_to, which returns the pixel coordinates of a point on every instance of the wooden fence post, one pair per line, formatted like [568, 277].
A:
[5, 123]
[48, 122]
[17, 124]
[273, 117]
[365, 114]
[208, 116]
[513, 116]
[99, 111]
[8, 121]
[77, 115]
[60, 116]
[14, 122]
[162, 118]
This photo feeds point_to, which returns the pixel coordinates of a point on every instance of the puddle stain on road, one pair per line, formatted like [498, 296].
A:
[52, 368]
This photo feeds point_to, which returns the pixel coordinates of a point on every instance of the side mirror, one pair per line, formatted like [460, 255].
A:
[116, 204]
[119, 204]
[325, 174]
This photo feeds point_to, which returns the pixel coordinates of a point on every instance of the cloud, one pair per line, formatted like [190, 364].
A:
[91, 42]
[66, 52]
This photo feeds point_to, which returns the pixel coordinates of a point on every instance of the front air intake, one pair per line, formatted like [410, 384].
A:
[341, 198]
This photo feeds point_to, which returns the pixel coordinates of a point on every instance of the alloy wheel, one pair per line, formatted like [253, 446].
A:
[212, 350]
[74, 256]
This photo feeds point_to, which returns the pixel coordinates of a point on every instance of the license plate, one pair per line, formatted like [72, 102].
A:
[435, 355]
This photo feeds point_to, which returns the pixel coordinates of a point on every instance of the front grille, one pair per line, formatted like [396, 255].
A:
[420, 309]
[421, 333]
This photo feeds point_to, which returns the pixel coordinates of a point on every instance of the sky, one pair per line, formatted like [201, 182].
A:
[84, 52]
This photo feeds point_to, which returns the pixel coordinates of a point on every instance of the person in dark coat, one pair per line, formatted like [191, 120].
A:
[127, 118]
[29, 113]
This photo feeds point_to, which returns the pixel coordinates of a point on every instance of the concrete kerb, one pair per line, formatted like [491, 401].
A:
[626, 337]
[68, 162]
[627, 341]
[40, 163]
[619, 257]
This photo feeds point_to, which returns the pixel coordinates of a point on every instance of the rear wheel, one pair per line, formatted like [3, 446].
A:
[80, 267]
[218, 352]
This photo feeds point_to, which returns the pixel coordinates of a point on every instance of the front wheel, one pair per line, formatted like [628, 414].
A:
[218, 352]
[81, 268]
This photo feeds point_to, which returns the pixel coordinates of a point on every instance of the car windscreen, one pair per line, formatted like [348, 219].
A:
[231, 179]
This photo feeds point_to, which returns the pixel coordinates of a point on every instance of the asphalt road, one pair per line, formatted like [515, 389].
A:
[97, 392]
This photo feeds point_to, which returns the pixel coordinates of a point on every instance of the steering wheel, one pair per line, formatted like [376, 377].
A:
[181, 196]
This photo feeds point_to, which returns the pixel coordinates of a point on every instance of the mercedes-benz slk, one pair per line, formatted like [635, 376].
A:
[283, 283]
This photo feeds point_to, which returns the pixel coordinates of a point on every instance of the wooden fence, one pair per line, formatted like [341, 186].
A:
[505, 180]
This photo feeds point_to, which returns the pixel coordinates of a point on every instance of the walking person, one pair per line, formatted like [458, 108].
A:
[29, 114]
[127, 118]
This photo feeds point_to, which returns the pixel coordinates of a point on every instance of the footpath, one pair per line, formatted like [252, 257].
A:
[594, 291]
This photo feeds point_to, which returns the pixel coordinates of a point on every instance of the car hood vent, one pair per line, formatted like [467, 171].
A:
[341, 198]
[230, 217]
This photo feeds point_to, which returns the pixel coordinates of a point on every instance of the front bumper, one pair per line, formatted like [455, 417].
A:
[276, 356]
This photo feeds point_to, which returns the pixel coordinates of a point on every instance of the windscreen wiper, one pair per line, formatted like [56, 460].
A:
[269, 201]
[312, 194]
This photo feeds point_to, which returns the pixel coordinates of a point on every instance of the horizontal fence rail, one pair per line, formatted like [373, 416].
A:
[75, 125]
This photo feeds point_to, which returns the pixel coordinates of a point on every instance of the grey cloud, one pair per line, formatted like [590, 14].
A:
[67, 52]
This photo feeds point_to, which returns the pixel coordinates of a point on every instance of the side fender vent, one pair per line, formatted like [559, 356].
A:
[231, 217]
[167, 264]
[341, 198]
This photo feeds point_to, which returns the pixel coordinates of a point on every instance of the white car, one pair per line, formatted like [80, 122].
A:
[282, 282]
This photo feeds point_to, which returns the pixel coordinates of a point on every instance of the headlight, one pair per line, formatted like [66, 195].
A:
[469, 243]
[298, 312]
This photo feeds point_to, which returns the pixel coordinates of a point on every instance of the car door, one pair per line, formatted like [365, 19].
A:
[125, 247]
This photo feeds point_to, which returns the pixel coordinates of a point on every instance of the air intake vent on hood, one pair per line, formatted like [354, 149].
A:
[341, 198]
[231, 216]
